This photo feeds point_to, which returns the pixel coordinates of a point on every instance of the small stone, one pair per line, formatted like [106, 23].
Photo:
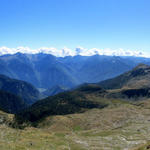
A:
[148, 147]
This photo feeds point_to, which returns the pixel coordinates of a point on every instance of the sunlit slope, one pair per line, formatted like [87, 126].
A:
[117, 127]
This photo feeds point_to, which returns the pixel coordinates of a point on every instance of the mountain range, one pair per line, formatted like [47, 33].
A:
[53, 75]
[47, 71]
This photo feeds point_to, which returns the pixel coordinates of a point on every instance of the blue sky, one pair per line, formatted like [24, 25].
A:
[71, 23]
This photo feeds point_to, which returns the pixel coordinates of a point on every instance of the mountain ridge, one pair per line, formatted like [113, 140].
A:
[136, 78]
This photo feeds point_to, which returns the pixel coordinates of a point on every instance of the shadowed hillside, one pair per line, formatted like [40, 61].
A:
[20, 88]
[11, 103]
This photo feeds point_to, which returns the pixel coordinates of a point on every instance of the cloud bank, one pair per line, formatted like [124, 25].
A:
[69, 52]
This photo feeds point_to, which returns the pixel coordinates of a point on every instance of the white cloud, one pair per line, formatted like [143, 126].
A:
[78, 51]
[47, 50]
[67, 52]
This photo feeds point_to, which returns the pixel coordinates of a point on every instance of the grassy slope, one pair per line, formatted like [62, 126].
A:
[119, 127]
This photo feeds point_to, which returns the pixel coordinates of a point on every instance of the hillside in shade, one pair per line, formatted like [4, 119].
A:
[19, 88]
[11, 103]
